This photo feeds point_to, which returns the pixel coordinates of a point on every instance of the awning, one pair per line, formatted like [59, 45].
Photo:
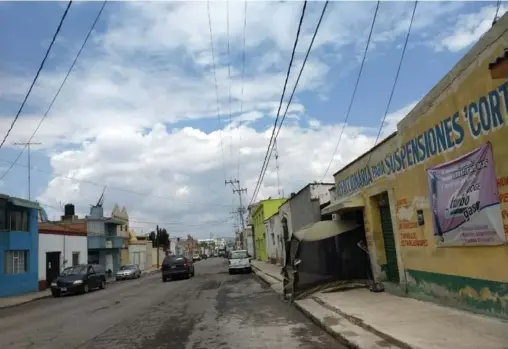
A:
[24, 203]
[324, 229]
[353, 202]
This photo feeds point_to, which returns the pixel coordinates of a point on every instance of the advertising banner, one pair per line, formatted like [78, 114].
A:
[465, 201]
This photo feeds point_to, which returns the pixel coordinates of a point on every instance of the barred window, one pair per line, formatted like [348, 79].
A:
[16, 262]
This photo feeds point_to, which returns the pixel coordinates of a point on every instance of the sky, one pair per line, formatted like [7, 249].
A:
[140, 114]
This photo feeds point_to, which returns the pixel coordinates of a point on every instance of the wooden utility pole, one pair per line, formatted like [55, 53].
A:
[27, 144]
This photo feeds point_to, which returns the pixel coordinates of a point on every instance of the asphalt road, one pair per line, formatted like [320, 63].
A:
[213, 310]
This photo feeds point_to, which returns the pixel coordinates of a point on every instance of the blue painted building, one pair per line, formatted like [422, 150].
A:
[19, 245]
[104, 245]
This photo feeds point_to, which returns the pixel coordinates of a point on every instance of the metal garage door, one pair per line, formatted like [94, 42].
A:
[392, 271]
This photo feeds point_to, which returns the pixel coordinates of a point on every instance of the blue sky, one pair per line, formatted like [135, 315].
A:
[139, 111]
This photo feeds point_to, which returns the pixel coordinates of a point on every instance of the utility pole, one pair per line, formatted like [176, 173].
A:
[237, 189]
[27, 144]
[157, 237]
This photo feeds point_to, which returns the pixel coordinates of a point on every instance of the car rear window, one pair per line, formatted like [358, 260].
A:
[239, 254]
[173, 259]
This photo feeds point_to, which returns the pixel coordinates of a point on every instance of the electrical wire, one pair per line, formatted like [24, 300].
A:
[38, 72]
[316, 30]
[229, 84]
[263, 169]
[496, 16]
[211, 222]
[242, 87]
[216, 87]
[115, 188]
[396, 78]
[57, 92]
[354, 92]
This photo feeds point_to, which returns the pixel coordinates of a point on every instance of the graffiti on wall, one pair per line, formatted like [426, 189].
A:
[479, 117]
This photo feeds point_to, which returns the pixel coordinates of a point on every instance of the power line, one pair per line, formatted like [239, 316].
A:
[38, 72]
[58, 91]
[229, 84]
[211, 222]
[263, 169]
[396, 78]
[242, 84]
[216, 87]
[496, 16]
[316, 30]
[115, 188]
[354, 91]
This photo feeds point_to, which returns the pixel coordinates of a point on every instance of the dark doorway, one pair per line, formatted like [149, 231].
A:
[52, 267]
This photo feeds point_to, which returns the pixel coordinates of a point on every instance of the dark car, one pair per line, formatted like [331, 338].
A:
[80, 278]
[176, 267]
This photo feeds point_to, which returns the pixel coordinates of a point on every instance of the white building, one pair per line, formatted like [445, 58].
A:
[61, 245]
[274, 239]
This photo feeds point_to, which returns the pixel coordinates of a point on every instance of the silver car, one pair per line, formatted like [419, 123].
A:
[128, 271]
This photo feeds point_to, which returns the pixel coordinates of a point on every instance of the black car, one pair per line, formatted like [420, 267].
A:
[176, 267]
[80, 278]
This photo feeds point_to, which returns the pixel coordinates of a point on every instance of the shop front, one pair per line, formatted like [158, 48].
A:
[435, 193]
[362, 190]
[451, 191]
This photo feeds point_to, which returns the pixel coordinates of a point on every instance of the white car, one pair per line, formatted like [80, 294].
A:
[239, 261]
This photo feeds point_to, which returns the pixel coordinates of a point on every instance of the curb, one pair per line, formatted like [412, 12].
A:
[341, 338]
[360, 323]
[25, 302]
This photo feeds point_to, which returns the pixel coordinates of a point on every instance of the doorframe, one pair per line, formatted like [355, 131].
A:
[395, 226]
[48, 282]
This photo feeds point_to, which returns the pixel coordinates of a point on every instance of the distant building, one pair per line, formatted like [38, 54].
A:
[61, 244]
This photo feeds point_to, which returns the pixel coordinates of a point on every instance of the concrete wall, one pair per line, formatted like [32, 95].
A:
[467, 109]
[274, 245]
[66, 245]
[305, 205]
[17, 284]
[138, 255]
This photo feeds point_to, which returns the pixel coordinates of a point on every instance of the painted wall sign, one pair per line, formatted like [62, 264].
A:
[465, 201]
[478, 118]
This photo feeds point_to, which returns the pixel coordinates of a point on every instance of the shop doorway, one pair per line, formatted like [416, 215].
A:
[392, 268]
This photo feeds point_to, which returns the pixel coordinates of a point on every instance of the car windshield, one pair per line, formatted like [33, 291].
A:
[127, 267]
[75, 270]
[239, 254]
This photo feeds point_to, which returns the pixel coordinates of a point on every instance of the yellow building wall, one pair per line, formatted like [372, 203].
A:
[264, 209]
[467, 277]
[359, 179]
[471, 276]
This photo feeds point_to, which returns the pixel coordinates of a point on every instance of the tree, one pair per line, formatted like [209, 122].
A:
[160, 239]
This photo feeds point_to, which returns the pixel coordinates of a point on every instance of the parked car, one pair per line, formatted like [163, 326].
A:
[196, 257]
[176, 267]
[239, 261]
[204, 256]
[128, 271]
[80, 278]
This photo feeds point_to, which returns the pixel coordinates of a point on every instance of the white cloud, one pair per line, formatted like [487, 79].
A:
[468, 29]
[123, 108]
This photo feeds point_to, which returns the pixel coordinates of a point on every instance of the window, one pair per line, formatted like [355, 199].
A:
[75, 258]
[3, 215]
[16, 262]
[18, 220]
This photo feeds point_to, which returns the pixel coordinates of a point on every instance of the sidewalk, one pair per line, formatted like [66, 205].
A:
[269, 273]
[362, 319]
[7, 302]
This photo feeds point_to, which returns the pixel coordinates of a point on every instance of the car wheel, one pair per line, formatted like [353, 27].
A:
[103, 285]
[230, 272]
[85, 288]
[164, 279]
[55, 294]
[188, 275]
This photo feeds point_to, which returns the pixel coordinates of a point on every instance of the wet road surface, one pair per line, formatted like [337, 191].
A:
[213, 310]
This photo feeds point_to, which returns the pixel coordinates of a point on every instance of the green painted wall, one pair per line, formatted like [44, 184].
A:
[484, 296]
